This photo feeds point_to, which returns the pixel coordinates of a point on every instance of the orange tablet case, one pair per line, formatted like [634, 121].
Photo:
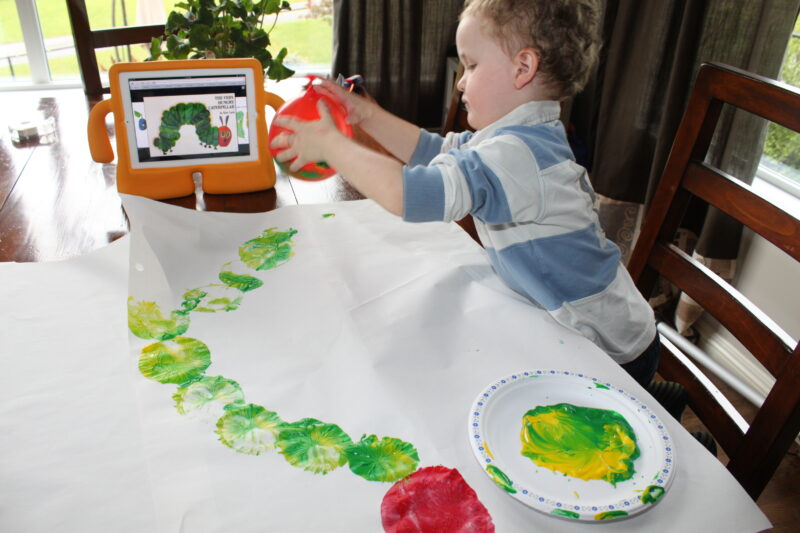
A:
[173, 182]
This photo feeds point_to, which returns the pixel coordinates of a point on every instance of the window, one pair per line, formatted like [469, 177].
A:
[36, 45]
[780, 162]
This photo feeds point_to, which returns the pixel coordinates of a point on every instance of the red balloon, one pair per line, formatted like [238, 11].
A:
[305, 108]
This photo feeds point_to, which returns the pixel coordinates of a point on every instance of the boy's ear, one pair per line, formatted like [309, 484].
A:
[526, 65]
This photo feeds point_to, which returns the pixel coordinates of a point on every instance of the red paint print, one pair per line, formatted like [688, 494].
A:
[434, 499]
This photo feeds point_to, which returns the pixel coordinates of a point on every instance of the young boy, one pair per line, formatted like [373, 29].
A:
[532, 204]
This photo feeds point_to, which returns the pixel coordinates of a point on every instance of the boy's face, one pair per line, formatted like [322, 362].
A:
[488, 80]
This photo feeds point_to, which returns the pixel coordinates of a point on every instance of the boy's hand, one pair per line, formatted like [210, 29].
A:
[358, 108]
[307, 141]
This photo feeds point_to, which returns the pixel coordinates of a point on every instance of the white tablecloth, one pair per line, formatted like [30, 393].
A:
[378, 326]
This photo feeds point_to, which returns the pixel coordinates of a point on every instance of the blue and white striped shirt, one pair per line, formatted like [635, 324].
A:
[534, 212]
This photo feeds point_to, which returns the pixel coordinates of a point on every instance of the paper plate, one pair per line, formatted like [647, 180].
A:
[495, 424]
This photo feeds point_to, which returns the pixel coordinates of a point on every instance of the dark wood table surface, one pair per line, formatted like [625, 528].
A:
[56, 202]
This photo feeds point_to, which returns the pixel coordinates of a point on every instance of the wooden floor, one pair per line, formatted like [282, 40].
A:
[55, 203]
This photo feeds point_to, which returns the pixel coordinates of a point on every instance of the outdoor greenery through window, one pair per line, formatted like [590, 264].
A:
[780, 163]
[306, 31]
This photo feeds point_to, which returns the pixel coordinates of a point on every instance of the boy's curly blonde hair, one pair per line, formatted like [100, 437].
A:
[565, 33]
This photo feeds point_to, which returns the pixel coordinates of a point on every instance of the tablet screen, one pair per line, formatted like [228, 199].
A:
[178, 118]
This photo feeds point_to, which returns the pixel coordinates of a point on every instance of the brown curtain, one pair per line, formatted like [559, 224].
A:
[400, 47]
[629, 113]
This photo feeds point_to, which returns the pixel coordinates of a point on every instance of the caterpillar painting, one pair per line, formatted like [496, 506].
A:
[193, 114]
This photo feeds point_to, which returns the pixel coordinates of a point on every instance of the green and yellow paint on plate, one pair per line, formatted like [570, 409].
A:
[499, 477]
[610, 515]
[652, 494]
[565, 513]
[581, 442]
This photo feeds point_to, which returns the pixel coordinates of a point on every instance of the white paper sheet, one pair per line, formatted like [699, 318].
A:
[375, 325]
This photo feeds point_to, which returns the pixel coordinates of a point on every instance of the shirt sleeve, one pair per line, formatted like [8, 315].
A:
[497, 181]
[423, 194]
[428, 147]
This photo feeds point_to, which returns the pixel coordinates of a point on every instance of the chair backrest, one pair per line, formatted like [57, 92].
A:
[456, 118]
[87, 40]
[755, 451]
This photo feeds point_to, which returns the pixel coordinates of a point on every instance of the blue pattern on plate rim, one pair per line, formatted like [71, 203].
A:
[587, 512]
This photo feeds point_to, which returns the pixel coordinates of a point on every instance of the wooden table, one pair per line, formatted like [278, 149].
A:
[55, 202]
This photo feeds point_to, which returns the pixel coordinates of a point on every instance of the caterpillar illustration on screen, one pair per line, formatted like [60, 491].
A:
[193, 114]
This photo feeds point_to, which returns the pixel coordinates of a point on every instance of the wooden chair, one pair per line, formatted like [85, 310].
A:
[755, 450]
[456, 118]
[87, 40]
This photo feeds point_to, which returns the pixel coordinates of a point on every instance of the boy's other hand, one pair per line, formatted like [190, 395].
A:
[359, 108]
[307, 140]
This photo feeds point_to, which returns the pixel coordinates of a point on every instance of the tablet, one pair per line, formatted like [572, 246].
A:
[176, 120]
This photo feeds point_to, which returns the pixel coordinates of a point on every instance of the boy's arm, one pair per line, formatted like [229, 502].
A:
[397, 136]
[374, 175]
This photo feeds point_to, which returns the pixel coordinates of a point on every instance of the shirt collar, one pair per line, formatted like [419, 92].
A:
[527, 114]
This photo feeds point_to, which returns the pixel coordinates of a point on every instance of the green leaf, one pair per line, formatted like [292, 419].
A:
[277, 71]
[177, 48]
[176, 21]
[155, 48]
[207, 15]
[200, 37]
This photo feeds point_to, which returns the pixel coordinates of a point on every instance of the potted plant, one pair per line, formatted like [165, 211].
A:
[212, 29]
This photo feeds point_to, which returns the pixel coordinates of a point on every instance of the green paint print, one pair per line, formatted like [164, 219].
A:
[581, 442]
[499, 477]
[313, 445]
[179, 361]
[268, 250]
[328, 215]
[601, 386]
[309, 444]
[388, 459]
[610, 515]
[652, 494]
[242, 282]
[207, 397]
[248, 428]
[218, 297]
[191, 299]
[146, 321]
[565, 513]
